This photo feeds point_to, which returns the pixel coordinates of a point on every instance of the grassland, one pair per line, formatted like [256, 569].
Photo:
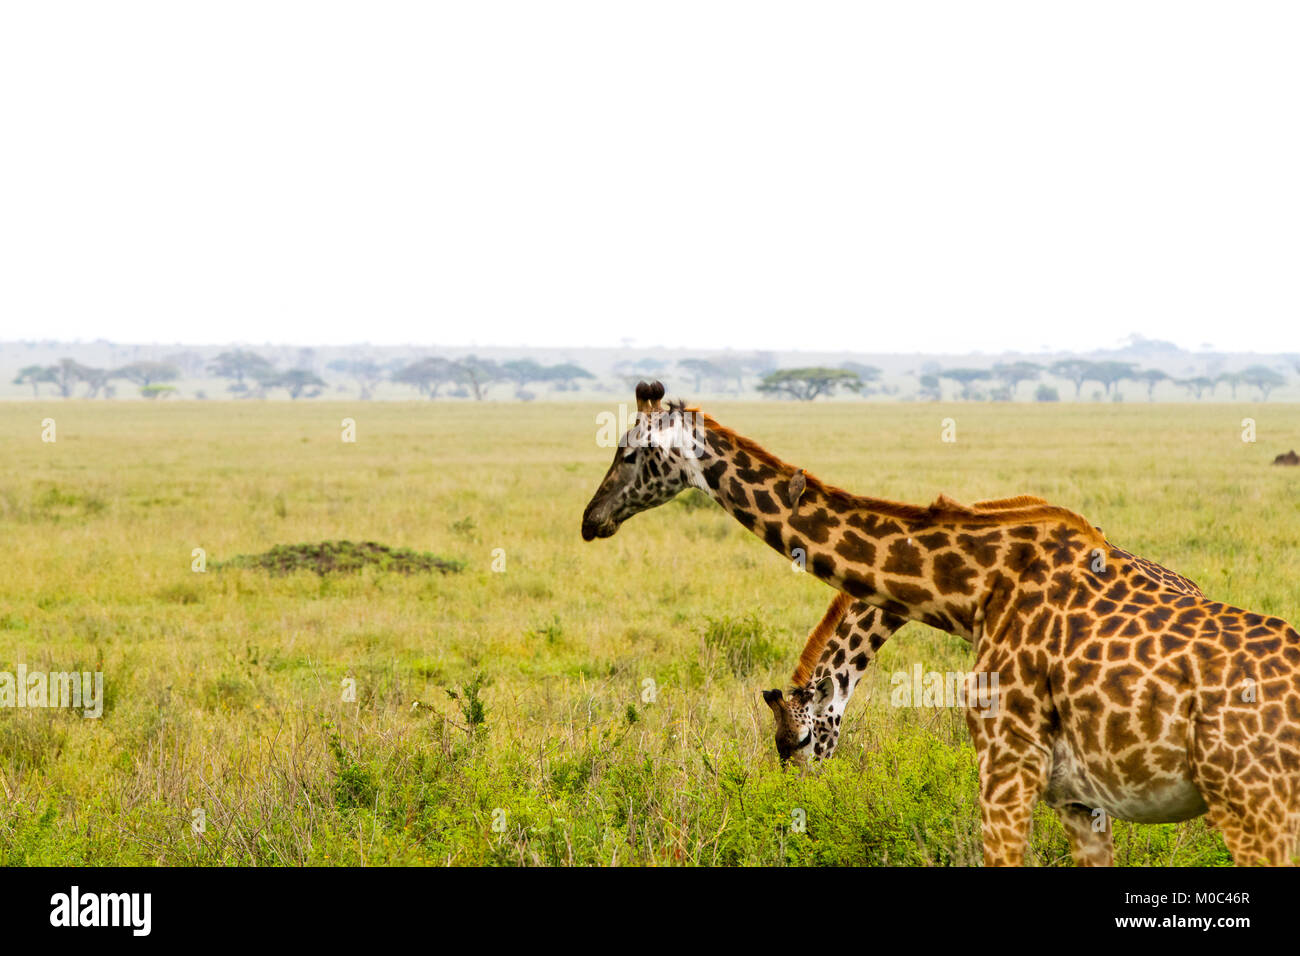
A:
[225, 688]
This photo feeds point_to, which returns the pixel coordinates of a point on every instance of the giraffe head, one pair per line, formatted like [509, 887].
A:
[807, 721]
[652, 464]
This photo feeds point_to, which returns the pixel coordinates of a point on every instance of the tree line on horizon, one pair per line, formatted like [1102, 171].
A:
[252, 375]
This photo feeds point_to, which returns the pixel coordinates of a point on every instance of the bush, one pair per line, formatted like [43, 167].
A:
[745, 643]
[342, 557]
[1046, 393]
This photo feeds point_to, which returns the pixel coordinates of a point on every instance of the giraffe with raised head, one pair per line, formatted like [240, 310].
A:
[1117, 695]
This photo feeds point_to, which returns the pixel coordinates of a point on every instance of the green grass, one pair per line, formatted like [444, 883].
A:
[590, 703]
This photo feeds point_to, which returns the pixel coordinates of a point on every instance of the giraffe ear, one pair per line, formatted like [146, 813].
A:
[797, 484]
[772, 698]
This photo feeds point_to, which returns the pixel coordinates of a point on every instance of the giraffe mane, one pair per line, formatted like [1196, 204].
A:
[812, 650]
[996, 512]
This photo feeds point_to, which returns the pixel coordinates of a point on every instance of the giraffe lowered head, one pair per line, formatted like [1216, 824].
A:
[807, 721]
[653, 463]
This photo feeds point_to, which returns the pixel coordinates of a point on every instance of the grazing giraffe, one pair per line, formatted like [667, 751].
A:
[1116, 693]
[835, 657]
[838, 651]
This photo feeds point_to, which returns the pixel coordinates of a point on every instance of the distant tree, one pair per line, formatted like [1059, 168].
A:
[35, 376]
[1011, 374]
[930, 388]
[1073, 370]
[1045, 393]
[869, 375]
[1263, 378]
[427, 375]
[145, 374]
[239, 365]
[158, 391]
[67, 375]
[699, 369]
[367, 373]
[736, 368]
[1232, 380]
[189, 362]
[649, 365]
[806, 384]
[1197, 386]
[295, 381]
[96, 380]
[521, 372]
[477, 373]
[1110, 373]
[1151, 377]
[966, 378]
[566, 375]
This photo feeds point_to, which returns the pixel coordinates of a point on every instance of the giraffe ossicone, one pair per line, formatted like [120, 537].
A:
[1119, 692]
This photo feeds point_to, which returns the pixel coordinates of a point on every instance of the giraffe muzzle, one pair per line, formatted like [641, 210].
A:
[597, 528]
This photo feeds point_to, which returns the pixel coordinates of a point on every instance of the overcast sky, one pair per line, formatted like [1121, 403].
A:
[895, 177]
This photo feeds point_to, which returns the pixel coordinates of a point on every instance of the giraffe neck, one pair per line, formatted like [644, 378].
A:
[937, 564]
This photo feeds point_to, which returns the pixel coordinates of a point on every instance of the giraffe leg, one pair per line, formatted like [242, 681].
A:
[1014, 757]
[1013, 775]
[1010, 785]
[1252, 798]
[1258, 832]
[1091, 842]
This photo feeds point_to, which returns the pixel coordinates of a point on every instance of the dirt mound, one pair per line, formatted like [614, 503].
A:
[343, 557]
[1290, 458]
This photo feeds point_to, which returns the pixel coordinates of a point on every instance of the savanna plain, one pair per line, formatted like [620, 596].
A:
[536, 699]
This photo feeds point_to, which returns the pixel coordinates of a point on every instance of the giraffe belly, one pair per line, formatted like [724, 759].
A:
[1164, 799]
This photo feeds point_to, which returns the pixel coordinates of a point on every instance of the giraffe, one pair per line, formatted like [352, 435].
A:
[838, 651]
[1116, 694]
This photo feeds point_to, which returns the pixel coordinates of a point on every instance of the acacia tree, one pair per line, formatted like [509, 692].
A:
[1196, 386]
[806, 384]
[367, 373]
[869, 375]
[240, 364]
[145, 374]
[427, 375]
[35, 376]
[97, 380]
[1263, 378]
[699, 369]
[1111, 373]
[66, 375]
[1232, 380]
[966, 378]
[929, 387]
[566, 375]
[1011, 374]
[477, 373]
[1151, 377]
[295, 381]
[1073, 370]
[521, 372]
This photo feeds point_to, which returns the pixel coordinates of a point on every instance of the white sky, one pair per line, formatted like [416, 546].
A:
[889, 177]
